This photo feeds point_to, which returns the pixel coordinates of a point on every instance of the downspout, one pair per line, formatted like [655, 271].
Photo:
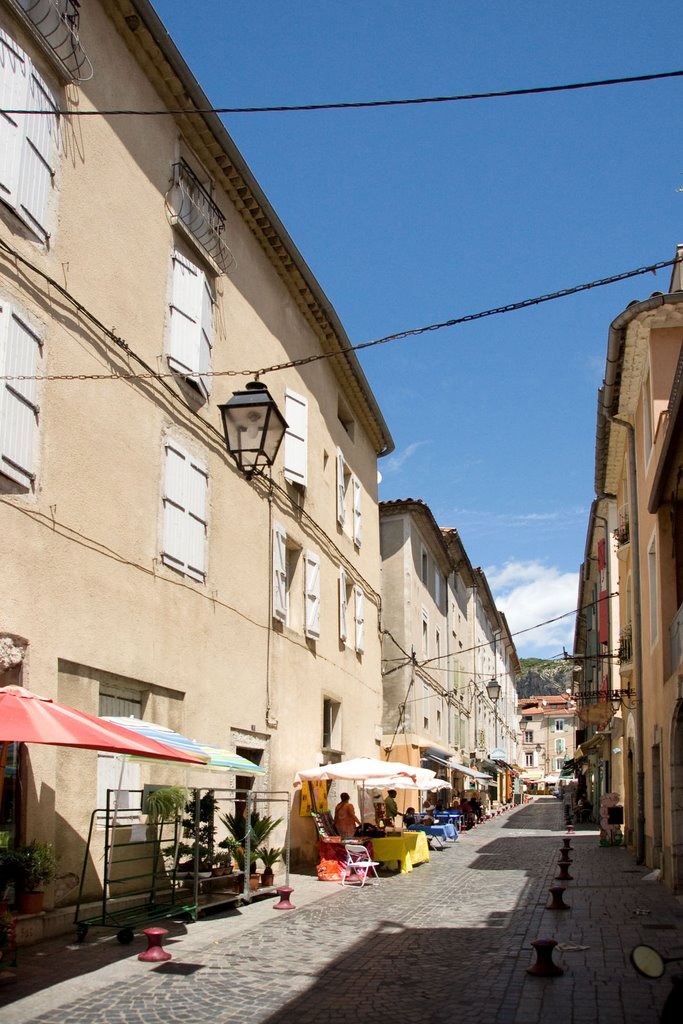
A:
[638, 629]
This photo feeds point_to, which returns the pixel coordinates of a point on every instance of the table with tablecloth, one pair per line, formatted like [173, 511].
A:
[406, 849]
[443, 833]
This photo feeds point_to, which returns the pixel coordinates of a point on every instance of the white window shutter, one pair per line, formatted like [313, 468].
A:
[185, 516]
[20, 355]
[175, 507]
[296, 438]
[357, 513]
[191, 335]
[37, 168]
[14, 95]
[197, 486]
[341, 511]
[343, 628]
[360, 618]
[206, 336]
[279, 573]
[312, 563]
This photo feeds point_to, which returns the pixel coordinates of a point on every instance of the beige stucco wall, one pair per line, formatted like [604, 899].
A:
[83, 578]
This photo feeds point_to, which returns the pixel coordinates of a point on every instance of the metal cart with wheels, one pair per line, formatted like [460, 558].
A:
[137, 887]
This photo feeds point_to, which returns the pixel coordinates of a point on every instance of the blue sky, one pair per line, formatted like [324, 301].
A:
[414, 215]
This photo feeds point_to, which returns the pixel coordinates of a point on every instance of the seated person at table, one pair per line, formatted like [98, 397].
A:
[390, 807]
[345, 820]
[409, 816]
[428, 805]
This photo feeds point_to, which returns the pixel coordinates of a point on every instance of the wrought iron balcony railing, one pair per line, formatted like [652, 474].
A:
[56, 23]
[625, 645]
[191, 204]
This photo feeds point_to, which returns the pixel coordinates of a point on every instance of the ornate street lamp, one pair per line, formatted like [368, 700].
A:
[253, 427]
[493, 689]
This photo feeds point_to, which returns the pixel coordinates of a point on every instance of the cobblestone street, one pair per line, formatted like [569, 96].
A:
[449, 941]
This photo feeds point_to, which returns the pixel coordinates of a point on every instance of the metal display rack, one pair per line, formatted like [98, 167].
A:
[138, 887]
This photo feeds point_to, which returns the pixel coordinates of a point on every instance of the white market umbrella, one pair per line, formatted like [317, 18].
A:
[359, 769]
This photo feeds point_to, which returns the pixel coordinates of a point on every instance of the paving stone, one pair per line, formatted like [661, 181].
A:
[449, 941]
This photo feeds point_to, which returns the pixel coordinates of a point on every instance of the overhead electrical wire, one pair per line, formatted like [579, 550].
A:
[147, 374]
[283, 108]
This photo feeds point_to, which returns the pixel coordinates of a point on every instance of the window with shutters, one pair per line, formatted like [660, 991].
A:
[346, 606]
[28, 142]
[349, 501]
[425, 705]
[528, 760]
[186, 482]
[312, 595]
[296, 438]
[21, 355]
[425, 633]
[332, 739]
[191, 324]
[359, 615]
[116, 773]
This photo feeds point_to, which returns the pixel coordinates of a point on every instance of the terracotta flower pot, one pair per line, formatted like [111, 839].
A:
[30, 902]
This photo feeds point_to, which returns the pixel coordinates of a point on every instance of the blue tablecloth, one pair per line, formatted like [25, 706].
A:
[450, 817]
[443, 832]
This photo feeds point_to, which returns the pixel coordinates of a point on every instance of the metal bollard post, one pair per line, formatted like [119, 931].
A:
[284, 892]
[154, 952]
[544, 966]
[564, 875]
[556, 901]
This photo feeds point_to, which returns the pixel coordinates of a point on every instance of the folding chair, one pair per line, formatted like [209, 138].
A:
[359, 866]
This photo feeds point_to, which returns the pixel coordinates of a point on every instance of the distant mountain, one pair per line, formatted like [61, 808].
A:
[539, 678]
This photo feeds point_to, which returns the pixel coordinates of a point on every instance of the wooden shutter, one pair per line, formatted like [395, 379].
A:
[312, 564]
[14, 92]
[296, 438]
[357, 513]
[195, 528]
[206, 336]
[341, 511]
[185, 487]
[192, 305]
[279, 573]
[20, 354]
[343, 628]
[37, 163]
[360, 618]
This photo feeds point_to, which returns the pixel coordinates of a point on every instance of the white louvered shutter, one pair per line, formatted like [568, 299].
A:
[343, 611]
[312, 563]
[279, 573]
[20, 355]
[195, 528]
[359, 603]
[14, 91]
[185, 487]
[37, 160]
[192, 305]
[341, 510]
[206, 336]
[357, 513]
[296, 438]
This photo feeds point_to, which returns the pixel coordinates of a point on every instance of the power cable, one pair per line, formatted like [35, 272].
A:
[651, 268]
[357, 104]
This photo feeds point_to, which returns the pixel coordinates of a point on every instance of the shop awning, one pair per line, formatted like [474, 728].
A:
[437, 755]
[217, 759]
[589, 747]
[472, 772]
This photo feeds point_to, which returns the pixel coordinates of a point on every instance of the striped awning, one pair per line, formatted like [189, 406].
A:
[215, 758]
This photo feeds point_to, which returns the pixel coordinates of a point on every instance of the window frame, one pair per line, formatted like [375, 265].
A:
[21, 354]
[189, 511]
[190, 336]
[29, 143]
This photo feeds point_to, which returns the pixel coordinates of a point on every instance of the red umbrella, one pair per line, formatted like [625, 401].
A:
[27, 718]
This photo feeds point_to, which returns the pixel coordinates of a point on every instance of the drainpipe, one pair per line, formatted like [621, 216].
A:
[637, 647]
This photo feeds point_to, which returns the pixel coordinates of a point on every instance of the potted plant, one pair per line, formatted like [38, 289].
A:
[36, 866]
[240, 861]
[7, 935]
[165, 803]
[269, 856]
